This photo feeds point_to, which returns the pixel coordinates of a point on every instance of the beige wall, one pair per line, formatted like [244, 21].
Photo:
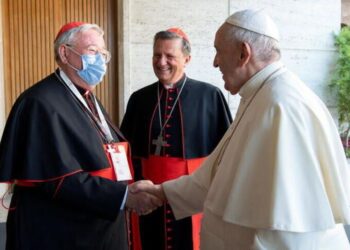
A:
[345, 11]
[307, 30]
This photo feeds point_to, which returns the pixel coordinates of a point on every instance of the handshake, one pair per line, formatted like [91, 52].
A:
[144, 197]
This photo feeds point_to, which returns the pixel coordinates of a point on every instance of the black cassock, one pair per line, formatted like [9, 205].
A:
[198, 121]
[48, 147]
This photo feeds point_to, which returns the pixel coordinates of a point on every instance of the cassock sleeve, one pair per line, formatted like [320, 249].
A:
[186, 194]
[93, 194]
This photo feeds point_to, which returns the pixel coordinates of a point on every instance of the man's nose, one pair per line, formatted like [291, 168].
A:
[215, 62]
[162, 60]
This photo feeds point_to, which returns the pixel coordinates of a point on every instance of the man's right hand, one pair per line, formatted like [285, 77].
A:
[142, 197]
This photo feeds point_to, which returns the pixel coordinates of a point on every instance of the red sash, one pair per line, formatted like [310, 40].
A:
[159, 169]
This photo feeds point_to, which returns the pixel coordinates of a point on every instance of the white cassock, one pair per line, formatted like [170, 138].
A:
[277, 180]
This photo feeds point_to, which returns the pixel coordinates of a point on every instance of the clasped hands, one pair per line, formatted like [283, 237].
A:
[144, 197]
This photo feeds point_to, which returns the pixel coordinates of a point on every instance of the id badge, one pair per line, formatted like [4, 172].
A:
[120, 162]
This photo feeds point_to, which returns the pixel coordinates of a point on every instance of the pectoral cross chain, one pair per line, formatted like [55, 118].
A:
[159, 142]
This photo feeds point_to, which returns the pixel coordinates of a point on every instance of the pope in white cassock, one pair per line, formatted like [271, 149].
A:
[279, 178]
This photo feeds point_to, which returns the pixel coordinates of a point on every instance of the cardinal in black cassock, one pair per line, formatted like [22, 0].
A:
[55, 152]
[172, 127]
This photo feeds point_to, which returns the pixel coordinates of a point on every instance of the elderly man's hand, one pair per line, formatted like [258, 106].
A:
[141, 201]
[149, 187]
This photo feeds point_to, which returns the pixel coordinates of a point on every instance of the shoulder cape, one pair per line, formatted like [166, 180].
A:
[206, 117]
[48, 135]
[284, 168]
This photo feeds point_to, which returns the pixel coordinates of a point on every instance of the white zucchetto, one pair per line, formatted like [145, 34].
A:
[254, 20]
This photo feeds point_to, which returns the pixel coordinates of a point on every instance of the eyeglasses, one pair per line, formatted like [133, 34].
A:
[93, 50]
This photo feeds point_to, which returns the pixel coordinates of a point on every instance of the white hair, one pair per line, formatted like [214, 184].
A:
[69, 36]
[264, 48]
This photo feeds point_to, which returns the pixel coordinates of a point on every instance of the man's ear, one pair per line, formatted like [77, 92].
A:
[62, 52]
[187, 60]
[246, 53]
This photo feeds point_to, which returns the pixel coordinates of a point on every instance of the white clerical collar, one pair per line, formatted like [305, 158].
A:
[169, 86]
[67, 80]
[174, 85]
[256, 80]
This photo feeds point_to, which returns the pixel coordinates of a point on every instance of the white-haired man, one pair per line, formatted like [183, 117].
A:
[279, 178]
[67, 160]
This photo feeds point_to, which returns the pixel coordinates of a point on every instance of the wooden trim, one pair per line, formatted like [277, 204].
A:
[2, 79]
[29, 30]
[7, 28]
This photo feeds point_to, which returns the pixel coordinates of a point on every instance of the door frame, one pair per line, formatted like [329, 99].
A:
[124, 86]
[2, 84]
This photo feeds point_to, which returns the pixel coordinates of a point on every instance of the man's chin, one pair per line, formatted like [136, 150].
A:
[162, 77]
[230, 89]
[234, 92]
[164, 80]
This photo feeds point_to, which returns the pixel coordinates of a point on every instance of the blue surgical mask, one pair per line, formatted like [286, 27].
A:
[94, 68]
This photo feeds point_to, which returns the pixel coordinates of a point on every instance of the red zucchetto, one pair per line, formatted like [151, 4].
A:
[179, 32]
[67, 27]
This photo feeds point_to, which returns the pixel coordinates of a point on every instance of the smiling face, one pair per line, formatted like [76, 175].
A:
[169, 61]
[228, 59]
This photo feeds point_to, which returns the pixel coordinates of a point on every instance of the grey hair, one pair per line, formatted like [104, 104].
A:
[264, 48]
[69, 36]
[166, 35]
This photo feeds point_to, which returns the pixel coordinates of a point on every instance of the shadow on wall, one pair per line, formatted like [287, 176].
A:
[347, 229]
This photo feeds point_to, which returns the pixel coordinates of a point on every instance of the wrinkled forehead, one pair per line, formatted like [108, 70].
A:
[221, 34]
[90, 37]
